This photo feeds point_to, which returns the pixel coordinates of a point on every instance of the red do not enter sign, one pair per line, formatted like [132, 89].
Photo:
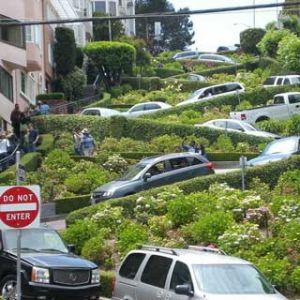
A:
[19, 207]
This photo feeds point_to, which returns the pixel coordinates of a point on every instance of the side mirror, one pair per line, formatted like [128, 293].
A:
[147, 176]
[184, 289]
[71, 248]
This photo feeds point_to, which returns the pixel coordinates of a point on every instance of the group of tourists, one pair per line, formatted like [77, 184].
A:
[193, 147]
[24, 130]
[84, 143]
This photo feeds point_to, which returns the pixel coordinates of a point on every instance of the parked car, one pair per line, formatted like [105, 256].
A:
[145, 108]
[196, 77]
[282, 80]
[49, 269]
[277, 150]
[211, 92]
[99, 111]
[237, 126]
[235, 47]
[186, 55]
[195, 273]
[153, 172]
[284, 106]
[216, 58]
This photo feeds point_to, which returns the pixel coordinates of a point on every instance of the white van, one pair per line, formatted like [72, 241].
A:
[282, 80]
[214, 91]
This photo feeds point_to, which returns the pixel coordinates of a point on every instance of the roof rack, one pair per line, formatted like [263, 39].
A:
[159, 249]
[207, 249]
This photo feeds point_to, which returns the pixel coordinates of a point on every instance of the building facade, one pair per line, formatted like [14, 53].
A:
[117, 8]
[26, 53]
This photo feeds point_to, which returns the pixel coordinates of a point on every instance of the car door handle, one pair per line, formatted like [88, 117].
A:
[159, 294]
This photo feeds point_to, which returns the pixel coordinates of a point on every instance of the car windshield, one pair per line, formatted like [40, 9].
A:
[231, 279]
[249, 127]
[194, 94]
[295, 80]
[282, 146]
[34, 240]
[132, 172]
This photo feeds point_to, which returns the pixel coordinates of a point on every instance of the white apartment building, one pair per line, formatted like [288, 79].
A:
[117, 8]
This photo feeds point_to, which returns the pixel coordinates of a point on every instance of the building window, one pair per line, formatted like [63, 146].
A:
[33, 35]
[112, 8]
[23, 83]
[6, 84]
[120, 3]
[100, 6]
[50, 54]
[14, 35]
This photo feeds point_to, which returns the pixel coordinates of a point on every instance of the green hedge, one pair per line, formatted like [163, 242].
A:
[165, 73]
[229, 156]
[66, 205]
[47, 144]
[51, 96]
[156, 83]
[31, 161]
[104, 102]
[259, 96]
[106, 283]
[268, 174]
[138, 129]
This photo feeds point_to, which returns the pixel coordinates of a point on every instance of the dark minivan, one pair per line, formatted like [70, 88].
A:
[152, 172]
[49, 271]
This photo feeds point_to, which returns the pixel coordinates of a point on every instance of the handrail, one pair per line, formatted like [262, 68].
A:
[7, 158]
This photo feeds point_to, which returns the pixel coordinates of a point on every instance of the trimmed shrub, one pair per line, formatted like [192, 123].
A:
[107, 278]
[47, 144]
[104, 102]
[69, 204]
[65, 43]
[250, 38]
[165, 73]
[50, 96]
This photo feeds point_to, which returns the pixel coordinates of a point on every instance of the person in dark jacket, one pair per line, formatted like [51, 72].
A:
[15, 118]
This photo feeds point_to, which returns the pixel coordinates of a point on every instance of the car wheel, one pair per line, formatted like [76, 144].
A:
[8, 287]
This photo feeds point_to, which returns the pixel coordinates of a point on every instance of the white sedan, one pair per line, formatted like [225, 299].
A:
[100, 112]
[145, 108]
[237, 126]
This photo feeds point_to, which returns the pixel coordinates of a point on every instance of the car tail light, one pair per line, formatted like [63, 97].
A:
[113, 285]
[210, 166]
[243, 117]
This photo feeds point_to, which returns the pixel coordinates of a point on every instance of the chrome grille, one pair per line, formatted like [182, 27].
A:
[71, 276]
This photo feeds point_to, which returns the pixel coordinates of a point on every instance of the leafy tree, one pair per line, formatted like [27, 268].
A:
[143, 57]
[72, 84]
[289, 52]
[101, 31]
[291, 23]
[79, 57]
[177, 32]
[64, 50]
[111, 59]
[249, 38]
[269, 43]
[291, 10]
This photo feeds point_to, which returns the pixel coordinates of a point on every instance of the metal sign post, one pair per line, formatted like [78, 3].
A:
[19, 289]
[243, 161]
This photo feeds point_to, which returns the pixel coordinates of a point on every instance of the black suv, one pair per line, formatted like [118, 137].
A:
[49, 270]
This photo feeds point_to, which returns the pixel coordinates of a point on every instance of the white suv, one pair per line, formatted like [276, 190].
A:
[282, 80]
[197, 273]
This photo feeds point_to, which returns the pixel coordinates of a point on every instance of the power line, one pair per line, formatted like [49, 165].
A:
[5, 22]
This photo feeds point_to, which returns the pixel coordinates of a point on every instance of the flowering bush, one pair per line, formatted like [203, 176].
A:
[238, 237]
[258, 216]
[159, 225]
[116, 164]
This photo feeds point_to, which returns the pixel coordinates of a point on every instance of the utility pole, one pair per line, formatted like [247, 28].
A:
[254, 16]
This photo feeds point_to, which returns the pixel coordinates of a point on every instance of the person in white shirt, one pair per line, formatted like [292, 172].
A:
[4, 148]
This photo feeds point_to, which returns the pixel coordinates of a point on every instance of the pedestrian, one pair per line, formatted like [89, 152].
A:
[15, 118]
[44, 108]
[24, 121]
[4, 151]
[202, 150]
[77, 136]
[33, 138]
[87, 143]
[189, 147]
